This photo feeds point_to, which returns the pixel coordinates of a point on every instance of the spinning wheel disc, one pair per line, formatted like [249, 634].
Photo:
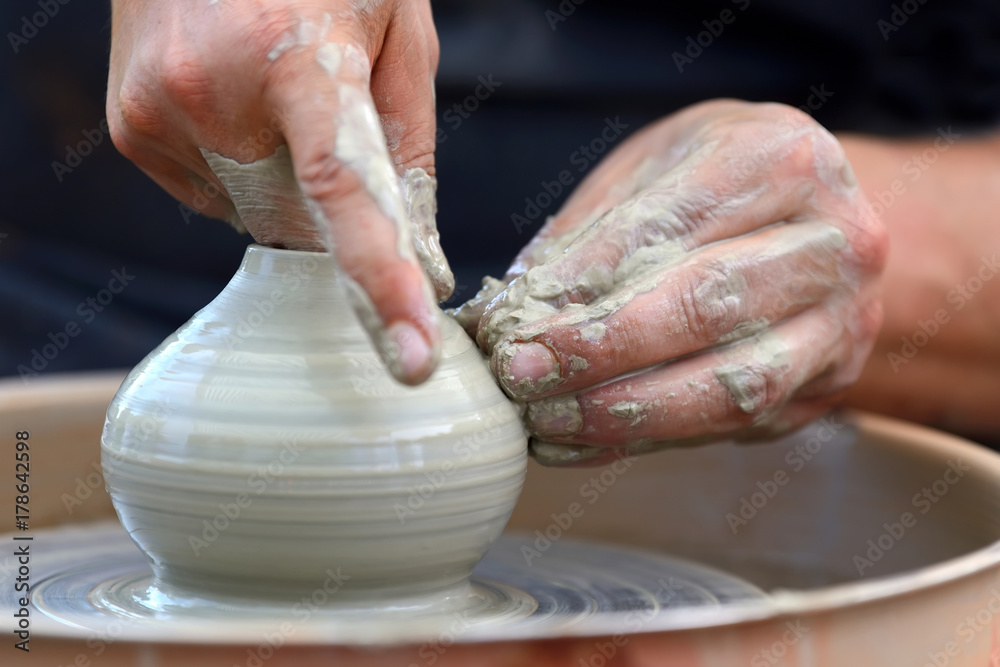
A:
[92, 581]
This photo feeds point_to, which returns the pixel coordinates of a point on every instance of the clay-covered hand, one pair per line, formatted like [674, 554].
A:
[716, 277]
[311, 124]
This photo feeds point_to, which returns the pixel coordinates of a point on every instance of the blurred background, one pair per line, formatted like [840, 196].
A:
[549, 75]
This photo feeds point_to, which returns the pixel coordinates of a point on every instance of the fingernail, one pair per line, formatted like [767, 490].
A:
[559, 416]
[528, 368]
[407, 353]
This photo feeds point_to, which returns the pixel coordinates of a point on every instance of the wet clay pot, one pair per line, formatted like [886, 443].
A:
[264, 450]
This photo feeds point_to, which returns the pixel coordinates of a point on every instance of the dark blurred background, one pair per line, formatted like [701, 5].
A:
[562, 69]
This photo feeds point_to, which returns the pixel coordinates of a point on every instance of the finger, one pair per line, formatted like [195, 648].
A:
[792, 416]
[715, 393]
[346, 175]
[613, 181]
[190, 188]
[142, 135]
[721, 293]
[635, 164]
[402, 86]
[556, 455]
[798, 412]
[680, 212]
[470, 313]
[621, 176]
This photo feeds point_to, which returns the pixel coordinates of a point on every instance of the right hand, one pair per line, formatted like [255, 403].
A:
[190, 78]
[716, 277]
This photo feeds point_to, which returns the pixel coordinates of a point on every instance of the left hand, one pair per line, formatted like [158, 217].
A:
[717, 276]
[203, 95]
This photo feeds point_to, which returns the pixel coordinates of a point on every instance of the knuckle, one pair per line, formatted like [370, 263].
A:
[433, 50]
[785, 115]
[631, 335]
[274, 36]
[419, 155]
[801, 152]
[122, 142]
[713, 303]
[660, 216]
[790, 135]
[757, 391]
[116, 126]
[134, 117]
[271, 28]
[184, 79]
[696, 211]
[870, 239]
[321, 175]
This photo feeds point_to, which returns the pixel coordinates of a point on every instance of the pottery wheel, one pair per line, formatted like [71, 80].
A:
[92, 580]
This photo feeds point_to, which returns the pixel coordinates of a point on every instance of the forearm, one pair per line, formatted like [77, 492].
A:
[937, 358]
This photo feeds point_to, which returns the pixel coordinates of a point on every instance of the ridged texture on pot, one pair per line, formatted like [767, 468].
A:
[263, 449]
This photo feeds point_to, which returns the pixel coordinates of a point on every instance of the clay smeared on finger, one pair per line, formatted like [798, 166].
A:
[421, 208]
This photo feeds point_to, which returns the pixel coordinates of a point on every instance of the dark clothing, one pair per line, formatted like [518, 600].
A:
[523, 85]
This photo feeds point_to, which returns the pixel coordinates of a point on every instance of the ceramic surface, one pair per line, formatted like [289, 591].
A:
[849, 479]
[263, 450]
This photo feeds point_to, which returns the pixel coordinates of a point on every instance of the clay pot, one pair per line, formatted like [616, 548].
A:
[264, 450]
[932, 595]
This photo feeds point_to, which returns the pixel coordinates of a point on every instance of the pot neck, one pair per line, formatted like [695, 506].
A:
[296, 278]
[260, 260]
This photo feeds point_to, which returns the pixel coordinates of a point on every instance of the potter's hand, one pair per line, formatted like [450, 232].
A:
[200, 93]
[717, 276]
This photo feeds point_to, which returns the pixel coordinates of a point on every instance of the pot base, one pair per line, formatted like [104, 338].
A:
[94, 581]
